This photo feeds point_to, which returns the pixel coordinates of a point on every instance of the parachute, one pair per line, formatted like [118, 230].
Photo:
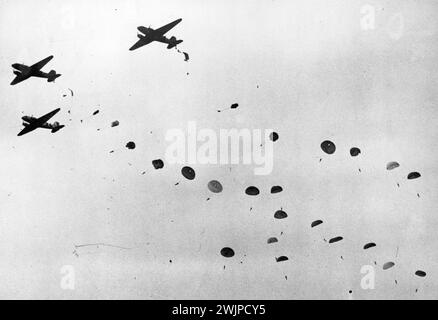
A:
[392, 165]
[388, 265]
[281, 258]
[188, 173]
[420, 273]
[158, 163]
[369, 245]
[130, 145]
[273, 136]
[316, 223]
[328, 147]
[280, 214]
[252, 191]
[276, 189]
[227, 252]
[414, 175]
[335, 239]
[272, 240]
[215, 186]
[354, 151]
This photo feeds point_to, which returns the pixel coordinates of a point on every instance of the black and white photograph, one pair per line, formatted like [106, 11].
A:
[202, 150]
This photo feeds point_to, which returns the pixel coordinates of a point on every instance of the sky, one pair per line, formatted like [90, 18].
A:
[306, 69]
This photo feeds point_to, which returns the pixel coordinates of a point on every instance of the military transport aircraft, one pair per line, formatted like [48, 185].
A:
[32, 123]
[149, 35]
[24, 72]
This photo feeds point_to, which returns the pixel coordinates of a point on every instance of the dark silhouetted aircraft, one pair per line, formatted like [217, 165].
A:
[149, 35]
[32, 123]
[24, 72]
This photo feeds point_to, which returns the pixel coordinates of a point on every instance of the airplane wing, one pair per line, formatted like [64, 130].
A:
[41, 120]
[20, 67]
[141, 43]
[18, 78]
[42, 63]
[27, 129]
[167, 27]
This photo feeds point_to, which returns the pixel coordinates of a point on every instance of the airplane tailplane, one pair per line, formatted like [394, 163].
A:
[58, 127]
[52, 75]
[174, 44]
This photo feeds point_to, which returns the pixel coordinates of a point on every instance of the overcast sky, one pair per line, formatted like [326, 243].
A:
[303, 68]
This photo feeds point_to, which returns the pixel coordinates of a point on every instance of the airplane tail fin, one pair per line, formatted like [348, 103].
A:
[52, 75]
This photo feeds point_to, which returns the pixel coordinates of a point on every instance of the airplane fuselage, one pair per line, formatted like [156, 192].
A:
[27, 120]
[26, 72]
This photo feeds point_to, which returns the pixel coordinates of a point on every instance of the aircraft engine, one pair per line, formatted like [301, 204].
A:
[144, 30]
[55, 124]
